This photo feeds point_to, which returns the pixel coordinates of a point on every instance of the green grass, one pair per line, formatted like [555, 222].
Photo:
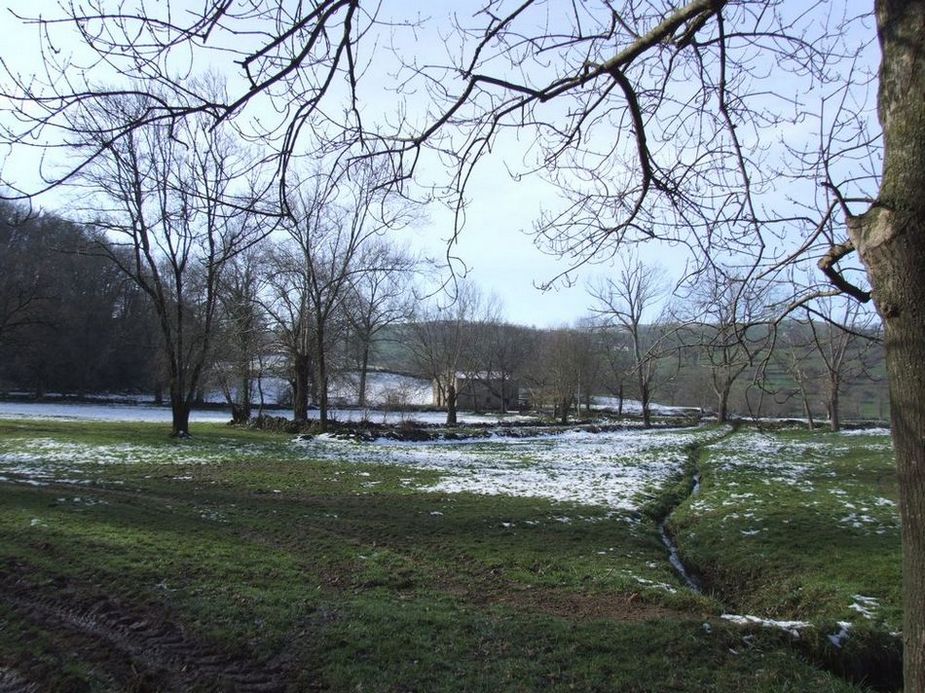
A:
[346, 576]
[803, 547]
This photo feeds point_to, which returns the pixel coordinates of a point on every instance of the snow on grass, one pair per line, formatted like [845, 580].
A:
[616, 470]
[102, 412]
[807, 466]
[865, 432]
[791, 627]
[152, 414]
[778, 461]
[634, 406]
[40, 461]
[838, 639]
[865, 606]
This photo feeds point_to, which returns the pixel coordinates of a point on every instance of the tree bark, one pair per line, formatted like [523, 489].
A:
[179, 414]
[723, 401]
[300, 389]
[451, 418]
[644, 401]
[890, 238]
[364, 366]
[322, 378]
[810, 424]
[834, 418]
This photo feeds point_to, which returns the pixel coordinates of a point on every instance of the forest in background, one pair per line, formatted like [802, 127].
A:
[71, 323]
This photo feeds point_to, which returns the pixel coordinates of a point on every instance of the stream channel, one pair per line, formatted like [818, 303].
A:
[674, 557]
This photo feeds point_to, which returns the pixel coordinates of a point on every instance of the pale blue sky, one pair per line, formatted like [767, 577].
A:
[495, 244]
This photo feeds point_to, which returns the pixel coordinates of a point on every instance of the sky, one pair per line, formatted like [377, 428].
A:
[496, 245]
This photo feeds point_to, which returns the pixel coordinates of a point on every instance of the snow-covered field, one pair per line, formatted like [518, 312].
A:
[103, 412]
[150, 413]
[614, 470]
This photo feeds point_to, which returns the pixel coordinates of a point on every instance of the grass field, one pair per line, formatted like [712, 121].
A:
[241, 560]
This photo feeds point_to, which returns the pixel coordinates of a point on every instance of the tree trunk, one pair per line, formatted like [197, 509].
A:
[300, 389]
[834, 419]
[451, 404]
[890, 238]
[241, 409]
[179, 414]
[644, 401]
[564, 411]
[364, 365]
[322, 379]
[722, 415]
[810, 424]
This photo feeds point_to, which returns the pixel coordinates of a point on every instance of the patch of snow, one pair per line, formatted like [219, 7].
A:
[103, 412]
[153, 414]
[792, 627]
[865, 432]
[837, 639]
[657, 585]
[634, 407]
[865, 605]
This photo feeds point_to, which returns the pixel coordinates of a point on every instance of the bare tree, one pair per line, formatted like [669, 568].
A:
[842, 340]
[437, 338]
[589, 359]
[729, 327]
[502, 352]
[670, 112]
[168, 196]
[24, 288]
[243, 332]
[331, 221]
[287, 305]
[625, 301]
[794, 351]
[380, 296]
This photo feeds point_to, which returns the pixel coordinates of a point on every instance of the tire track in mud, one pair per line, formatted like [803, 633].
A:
[12, 681]
[132, 649]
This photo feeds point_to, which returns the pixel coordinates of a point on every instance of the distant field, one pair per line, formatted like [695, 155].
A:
[240, 560]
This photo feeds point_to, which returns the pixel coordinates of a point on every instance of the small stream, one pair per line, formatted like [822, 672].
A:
[673, 556]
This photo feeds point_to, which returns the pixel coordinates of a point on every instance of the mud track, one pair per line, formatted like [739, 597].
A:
[125, 647]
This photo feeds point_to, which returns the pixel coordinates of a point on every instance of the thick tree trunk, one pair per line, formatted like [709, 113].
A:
[241, 409]
[890, 238]
[722, 415]
[300, 389]
[179, 414]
